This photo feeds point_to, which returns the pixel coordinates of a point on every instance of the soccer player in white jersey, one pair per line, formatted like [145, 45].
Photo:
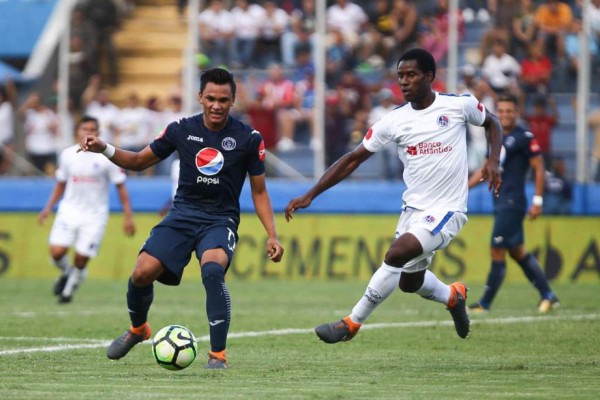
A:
[430, 132]
[83, 179]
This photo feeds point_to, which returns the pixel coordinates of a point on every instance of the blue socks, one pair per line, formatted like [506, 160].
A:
[139, 300]
[532, 270]
[218, 305]
[494, 281]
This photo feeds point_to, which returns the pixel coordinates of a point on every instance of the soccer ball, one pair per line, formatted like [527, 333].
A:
[174, 347]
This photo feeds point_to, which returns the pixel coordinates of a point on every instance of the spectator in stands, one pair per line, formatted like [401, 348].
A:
[392, 167]
[541, 123]
[524, 28]
[275, 23]
[553, 18]
[105, 16]
[536, 70]
[339, 57]
[248, 19]
[303, 112]
[84, 42]
[558, 190]
[337, 140]
[404, 20]
[349, 19]
[434, 36]
[353, 95]
[41, 130]
[503, 13]
[379, 37]
[8, 96]
[501, 69]
[594, 13]
[301, 32]
[476, 9]
[573, 47]
[278, 95]
[594, 123]
[132, 125]
[79, 72]
[96, 103]
[215, 25]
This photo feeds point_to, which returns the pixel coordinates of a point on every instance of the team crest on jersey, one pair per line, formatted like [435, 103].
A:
[209, 161]
[430, 219]
[443, 121]
[509, 141]
[228, 143]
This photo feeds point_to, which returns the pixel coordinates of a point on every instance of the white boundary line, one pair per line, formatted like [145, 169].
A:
[98, 343]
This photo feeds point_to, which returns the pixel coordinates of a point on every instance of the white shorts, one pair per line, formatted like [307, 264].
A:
[434, 229]
[84, 235]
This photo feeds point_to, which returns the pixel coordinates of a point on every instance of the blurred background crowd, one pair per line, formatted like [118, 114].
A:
[529, 48]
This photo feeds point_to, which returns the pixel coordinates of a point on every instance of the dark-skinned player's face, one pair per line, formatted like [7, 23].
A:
[414, 83]
[216, 101]
[507, 114]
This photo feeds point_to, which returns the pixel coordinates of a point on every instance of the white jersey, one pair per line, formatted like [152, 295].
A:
[432, 144]
[88, 177]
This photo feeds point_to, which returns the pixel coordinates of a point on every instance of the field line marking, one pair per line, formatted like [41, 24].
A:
[96, 343]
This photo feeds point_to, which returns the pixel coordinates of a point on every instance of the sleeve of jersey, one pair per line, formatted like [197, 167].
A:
[256, 159]
[378, 136]
[533, 147]
[474, 110]
[116, 174]
[164, 144]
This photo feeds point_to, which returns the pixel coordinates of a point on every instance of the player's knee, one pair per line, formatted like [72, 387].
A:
[212, 270]
[410, 283]
[142, 276]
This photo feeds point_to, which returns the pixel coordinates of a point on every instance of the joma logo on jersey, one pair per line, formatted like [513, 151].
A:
[428, 148]
[195, 138]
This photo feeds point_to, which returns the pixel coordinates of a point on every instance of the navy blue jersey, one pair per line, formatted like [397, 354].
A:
[519, 146]
[213, 164]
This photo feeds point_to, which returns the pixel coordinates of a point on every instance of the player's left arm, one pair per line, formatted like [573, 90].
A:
[128, 224]
[539, 173]
[264, 211]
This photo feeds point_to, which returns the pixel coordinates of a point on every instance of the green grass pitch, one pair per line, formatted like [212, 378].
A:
[407, 350]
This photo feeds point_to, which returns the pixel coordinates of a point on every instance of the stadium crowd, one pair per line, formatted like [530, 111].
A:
[527, 48]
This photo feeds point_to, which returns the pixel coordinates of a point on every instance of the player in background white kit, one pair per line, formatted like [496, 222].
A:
[431, 134]
[84, 179]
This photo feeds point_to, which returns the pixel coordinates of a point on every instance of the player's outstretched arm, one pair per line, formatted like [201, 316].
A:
[128, 224]
[264, 211]
[57, 193]
[337, 172]
[491, 167]
[131, 160]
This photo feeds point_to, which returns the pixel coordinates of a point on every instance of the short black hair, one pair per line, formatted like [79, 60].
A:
[507, 97]
[218, 76]
[88, 118]
[424, 59]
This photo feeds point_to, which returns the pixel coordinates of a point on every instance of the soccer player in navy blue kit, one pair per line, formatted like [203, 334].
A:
[216, 153]
[520, 153]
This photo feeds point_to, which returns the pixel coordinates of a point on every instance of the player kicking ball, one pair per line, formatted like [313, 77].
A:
[430, 131]
[83, 183]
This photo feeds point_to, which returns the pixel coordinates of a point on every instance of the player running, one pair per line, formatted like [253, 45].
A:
[82, 214]
[521, 151]
[216, 153]
[430, 131]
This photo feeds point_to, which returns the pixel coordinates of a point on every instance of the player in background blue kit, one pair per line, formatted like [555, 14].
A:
[216, 153]
[520, 152]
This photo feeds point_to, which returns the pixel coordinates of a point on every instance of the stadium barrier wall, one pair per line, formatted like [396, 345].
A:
[318, 247]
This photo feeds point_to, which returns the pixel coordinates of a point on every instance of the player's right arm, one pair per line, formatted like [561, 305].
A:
[135, 161]
[57, 193]
[337, 172]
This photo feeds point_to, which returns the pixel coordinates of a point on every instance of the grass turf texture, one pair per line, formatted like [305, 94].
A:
[513, 352]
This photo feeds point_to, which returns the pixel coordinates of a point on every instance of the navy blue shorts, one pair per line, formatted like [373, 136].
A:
[508, 229]
[174, 239]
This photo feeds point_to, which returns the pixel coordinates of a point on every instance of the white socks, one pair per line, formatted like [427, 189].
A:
[76, 276]
[62, 264]
[434, 289]
[383, 282]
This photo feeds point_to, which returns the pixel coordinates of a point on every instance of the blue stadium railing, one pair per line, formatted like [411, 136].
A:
[353, 196]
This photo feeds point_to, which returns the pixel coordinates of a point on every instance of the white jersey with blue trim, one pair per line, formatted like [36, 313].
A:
[432, 144]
